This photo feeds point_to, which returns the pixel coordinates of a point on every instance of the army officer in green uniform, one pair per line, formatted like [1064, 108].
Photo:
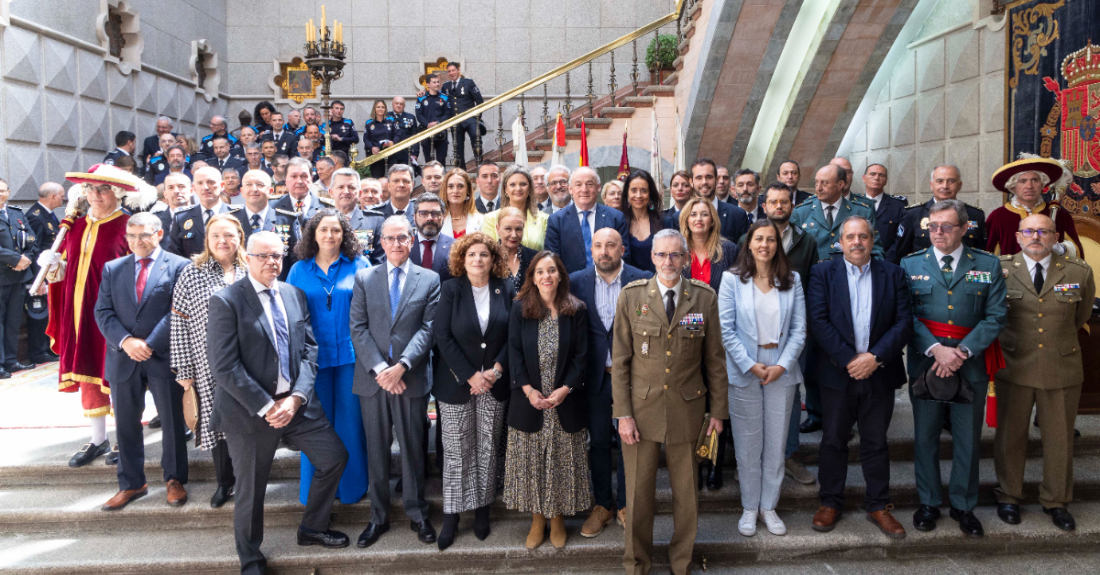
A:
[1049, 298]
[822, 215]
[958, 301]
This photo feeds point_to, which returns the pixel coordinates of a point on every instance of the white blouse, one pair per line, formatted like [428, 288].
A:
[481, 302]
[767, 315]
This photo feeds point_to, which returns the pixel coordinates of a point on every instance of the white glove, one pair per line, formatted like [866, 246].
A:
[48, 258]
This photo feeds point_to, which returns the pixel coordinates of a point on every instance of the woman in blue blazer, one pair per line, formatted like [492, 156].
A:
[763, 315]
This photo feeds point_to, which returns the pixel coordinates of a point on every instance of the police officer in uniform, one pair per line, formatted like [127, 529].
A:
[343, 135]
[464, 95]
[378, 134]
[187, 236]
[18, 250]
[257, 214]
[286, 141]
[217, 129]
[1050, 297]
[403, 126]
[366, 223]
[44, 225]
[957, 295]
[666, 334]
[125, 145]
[889, 210]
[913, 231]
[432, 108]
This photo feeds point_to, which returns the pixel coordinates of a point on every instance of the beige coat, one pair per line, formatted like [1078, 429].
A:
[1040, 340]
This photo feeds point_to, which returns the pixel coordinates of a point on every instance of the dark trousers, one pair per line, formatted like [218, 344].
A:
[378, 169]
[386, 415]
[253, 454]
[813, 390]
[871, 407]
[38, 343]
[11, 315]
[435, 148]
[128, 397]
[966, 440]
[223, 465]
[467, 128]
[599, 457]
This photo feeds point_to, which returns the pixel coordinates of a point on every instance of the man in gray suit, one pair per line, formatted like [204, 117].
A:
[393, 337]
[264, 361]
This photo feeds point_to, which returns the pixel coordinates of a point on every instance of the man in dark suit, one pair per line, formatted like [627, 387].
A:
[598, 286]
[151, 145]
[734, 220]
[263, 359]
[432, 249]
[258, 215]
[789, 172]
[580, 220]
[488, 187]
[392, 309]
[745, 193]
[178, 194]
[365, 223]
[286, 141]
[133, 311]
[187, 236]
[858, 311]
[298, 198]
[400, 182]
[913, 233]
[889, 210]
[223, 159]
[18, 250]
[44, 223]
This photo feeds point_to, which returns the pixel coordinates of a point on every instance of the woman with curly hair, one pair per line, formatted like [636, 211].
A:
[329, 256]
[261, 114]
[471, 335]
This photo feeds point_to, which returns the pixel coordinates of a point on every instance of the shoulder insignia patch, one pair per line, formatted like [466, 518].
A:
[701, 283]
[916, 253]
[234, 209]
[636, 283]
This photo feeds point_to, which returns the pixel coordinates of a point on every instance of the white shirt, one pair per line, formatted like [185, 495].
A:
[836, 211]
[555, 209]
[495, 199]
[662, 290]
[481, 303]
[382, 365]
[1045, 262]
[283, 385]
[250, 213]
[591, 218]
[216, 209]
[877, 200]
[767, 315]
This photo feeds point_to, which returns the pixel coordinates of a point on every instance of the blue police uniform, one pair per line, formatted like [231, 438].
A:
[464, 95]
[206, 146]
[404, 126]
[888, 216]
[16, 241]
[913, 231]
[44, 225]
[345, 128]
[434, 108]
[376, 134]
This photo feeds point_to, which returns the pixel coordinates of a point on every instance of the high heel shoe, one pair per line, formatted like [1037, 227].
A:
[447, 532]
[481, 522]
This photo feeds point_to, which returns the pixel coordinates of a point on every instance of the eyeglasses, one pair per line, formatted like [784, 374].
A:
[558, 183]
[670, 255]
[779, 202]
[267, 257]
[1042, 233]
[433, 214]
[142, 237]
[945, 228]
[401, 239]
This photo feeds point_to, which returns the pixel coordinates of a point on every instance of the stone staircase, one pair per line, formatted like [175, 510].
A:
[50, 520]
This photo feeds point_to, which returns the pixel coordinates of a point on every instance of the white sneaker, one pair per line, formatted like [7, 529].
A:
[747, 525]
[773, 522]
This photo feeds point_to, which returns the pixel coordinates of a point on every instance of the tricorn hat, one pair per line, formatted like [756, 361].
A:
[135, 193]
[1048, 167]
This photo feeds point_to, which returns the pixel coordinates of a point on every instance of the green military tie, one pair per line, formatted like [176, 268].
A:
[948, 271]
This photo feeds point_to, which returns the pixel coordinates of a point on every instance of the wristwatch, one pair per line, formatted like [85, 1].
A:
[497, 373]
[878, 360]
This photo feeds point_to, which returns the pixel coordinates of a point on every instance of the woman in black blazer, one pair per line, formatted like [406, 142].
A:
[546, 467]
[471, 335]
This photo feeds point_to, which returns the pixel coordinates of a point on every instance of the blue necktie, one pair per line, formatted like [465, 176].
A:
[395, 297]
[282, 339]
[586, 233]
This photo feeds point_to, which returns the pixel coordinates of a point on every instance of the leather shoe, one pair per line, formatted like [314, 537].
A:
[221, 495]
[88, 452]
[154, 423]
[112, 457]
[886, 523]
[714, 478]
[48, 357]
[371, 534]
[809, 426]
[4, 374]
[16, 366]
[177, 495]
[124, 497]
[825, 519]
[188, 435]
[424, 531]
[1009, 513]
[330, 539]
[925, 518]
[1061, 518]
[968, 522]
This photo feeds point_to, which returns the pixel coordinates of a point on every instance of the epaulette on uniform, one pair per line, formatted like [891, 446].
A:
[917, 205]
[903, 198]
[700, 283]
[235, 208]
[806, 202]
[636, 283]
[290, 213]
[326, 200]
[982, 252]
[919, 252]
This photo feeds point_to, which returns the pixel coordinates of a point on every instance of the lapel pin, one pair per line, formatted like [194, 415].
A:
[497, 291]
[187, 225]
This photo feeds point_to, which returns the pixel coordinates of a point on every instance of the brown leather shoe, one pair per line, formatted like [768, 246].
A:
[124, 497]
[825, 519]
[620, 516]
[599, 518]
[886, 523]
[177, 495]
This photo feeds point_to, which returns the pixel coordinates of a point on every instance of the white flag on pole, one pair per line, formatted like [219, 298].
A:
[679, 162]
[655, 153]
[519, 143]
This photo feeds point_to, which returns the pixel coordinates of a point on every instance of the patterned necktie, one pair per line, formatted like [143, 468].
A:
[299, 208]
[1039, 278]
[143, 276]
[948, 271]
[395, 297]
[282, 338]
[255, 222]
[586, 233]
[670, 304]
[426, 257]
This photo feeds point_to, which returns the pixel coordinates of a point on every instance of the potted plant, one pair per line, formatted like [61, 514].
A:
[660, 56]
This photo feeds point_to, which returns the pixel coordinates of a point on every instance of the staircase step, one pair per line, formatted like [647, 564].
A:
[672, 80]
[597, 123]
[638, 101]
[211, 551]
[32, 509]
[543, 144]
[617, 112]
[660, 90]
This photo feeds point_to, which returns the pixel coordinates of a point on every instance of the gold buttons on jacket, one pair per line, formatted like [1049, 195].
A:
[1040, 315]
[1040, 300]
[1040, 330]
[668, 353]
[950, 307]
[949, 292]
[950, 322]
[1040, 346]
[666, 387]
[667, 370]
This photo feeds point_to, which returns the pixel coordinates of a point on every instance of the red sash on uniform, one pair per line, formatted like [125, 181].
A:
[994, 361]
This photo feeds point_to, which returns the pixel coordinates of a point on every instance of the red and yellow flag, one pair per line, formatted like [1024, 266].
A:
[584, 145]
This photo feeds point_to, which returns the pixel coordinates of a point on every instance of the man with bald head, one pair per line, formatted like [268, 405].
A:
[258, 215]
[217, 130]
[848, 193]
[44, 223]
[188, 234]
[598, 286]
[1026, 180]
[404, 127]
[913, 234]
[1050, 297]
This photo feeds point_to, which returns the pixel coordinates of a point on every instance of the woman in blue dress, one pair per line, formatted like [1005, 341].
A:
[329, 255]
[642, 208]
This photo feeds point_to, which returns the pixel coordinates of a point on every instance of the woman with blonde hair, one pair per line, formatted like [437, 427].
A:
[518, 189]
[220, 264]
[460, 215]
[612, 194]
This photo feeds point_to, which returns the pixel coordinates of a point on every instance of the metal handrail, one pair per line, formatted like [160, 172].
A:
[526, 86]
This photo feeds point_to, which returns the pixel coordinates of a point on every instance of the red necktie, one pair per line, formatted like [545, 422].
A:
[143, 276]
[426, 257]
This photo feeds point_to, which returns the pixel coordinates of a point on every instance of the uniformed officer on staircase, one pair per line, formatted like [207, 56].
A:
[913, 232]
[404, 126]
[464, 95]
[343, 133]
[432, 108]
[44, 223]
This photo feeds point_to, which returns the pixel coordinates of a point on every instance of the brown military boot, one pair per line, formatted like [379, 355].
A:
[599, 518]
[886, 523]
[124, 497]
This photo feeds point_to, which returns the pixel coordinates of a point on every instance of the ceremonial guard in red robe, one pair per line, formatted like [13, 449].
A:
[1026, 179]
